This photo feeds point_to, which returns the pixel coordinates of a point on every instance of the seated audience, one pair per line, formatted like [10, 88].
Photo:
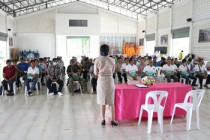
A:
[54, 74]
[155, 63]
[86, 67]
[18, 83]
[201, 73]
[185, 72]
[141, 67]
[176, 62]
[44, 69]
[9, 74]
[132, 71]
[168, 70]
[118, 68]
[190, 66]
[24, 67]
[32, 76]
[74, 71]
[123, 68]
[94, 78]
[149, 70]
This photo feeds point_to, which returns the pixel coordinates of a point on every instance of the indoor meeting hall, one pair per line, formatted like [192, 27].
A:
[104, 69]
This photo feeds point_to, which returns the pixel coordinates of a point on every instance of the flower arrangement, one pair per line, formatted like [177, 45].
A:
[148, 80]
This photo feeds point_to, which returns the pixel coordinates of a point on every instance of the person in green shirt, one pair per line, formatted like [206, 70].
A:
[74, 72]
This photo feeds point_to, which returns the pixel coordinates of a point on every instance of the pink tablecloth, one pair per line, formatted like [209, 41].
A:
[129, 98]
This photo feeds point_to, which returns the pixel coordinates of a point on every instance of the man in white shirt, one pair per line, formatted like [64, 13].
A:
[201, 73]
[32, 76]
[132, 71]
[149, 70]
[168, 70]
[185, 72]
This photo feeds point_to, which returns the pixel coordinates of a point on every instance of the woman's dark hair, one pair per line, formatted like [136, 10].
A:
[104, 50]
[8, 61]
[131, 59]
[184, 60]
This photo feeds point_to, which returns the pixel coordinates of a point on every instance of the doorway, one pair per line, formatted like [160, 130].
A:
[3, 52]
[78, 46]
[180, 44]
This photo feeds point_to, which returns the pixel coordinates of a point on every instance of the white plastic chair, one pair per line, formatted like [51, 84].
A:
[77, 82]
[36, 86]
[57, 86]
[14, 88]
[197, 96]
[40, 83]
[156, 107]
[160, 75]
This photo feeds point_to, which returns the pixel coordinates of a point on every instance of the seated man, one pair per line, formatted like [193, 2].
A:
[149, 70]
[185, 72]
[73, 72]
[132, 71]
[9, 74]
[168, 70]
[201, 73]
[24, 67]
[54, 74]
[32, 76]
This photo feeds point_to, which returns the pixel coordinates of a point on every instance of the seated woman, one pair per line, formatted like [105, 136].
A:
[168, 70]
[201, 73]
[131, 71]
[185, 72]
[74, 71]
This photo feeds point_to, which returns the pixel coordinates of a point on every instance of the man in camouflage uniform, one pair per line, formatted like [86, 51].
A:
[74, 71]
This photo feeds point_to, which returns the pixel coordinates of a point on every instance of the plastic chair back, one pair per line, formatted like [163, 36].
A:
[197, 96]
[157, 97]
[158, 70]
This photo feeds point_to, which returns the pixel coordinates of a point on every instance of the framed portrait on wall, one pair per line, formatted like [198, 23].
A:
[204, 35]
[164, 40]
[141, 42]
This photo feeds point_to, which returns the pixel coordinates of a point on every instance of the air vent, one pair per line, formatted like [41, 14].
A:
[78, 23]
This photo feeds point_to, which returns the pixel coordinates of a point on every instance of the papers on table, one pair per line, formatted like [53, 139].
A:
[141, 86]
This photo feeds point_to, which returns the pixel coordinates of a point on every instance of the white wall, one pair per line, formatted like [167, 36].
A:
[43, 42]
[115, 24]
[56, 21]
[174, 18]
[3, 22]
[41, 22]
[62, 24]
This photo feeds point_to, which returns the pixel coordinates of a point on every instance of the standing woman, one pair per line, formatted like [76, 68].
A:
[104, 68]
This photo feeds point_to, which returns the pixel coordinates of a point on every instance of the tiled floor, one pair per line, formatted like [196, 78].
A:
[78, 118]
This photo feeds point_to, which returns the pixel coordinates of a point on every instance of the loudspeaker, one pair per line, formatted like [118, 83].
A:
[189, 20]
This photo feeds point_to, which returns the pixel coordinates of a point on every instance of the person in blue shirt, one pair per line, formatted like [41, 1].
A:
[155, 63]
[23, 67]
